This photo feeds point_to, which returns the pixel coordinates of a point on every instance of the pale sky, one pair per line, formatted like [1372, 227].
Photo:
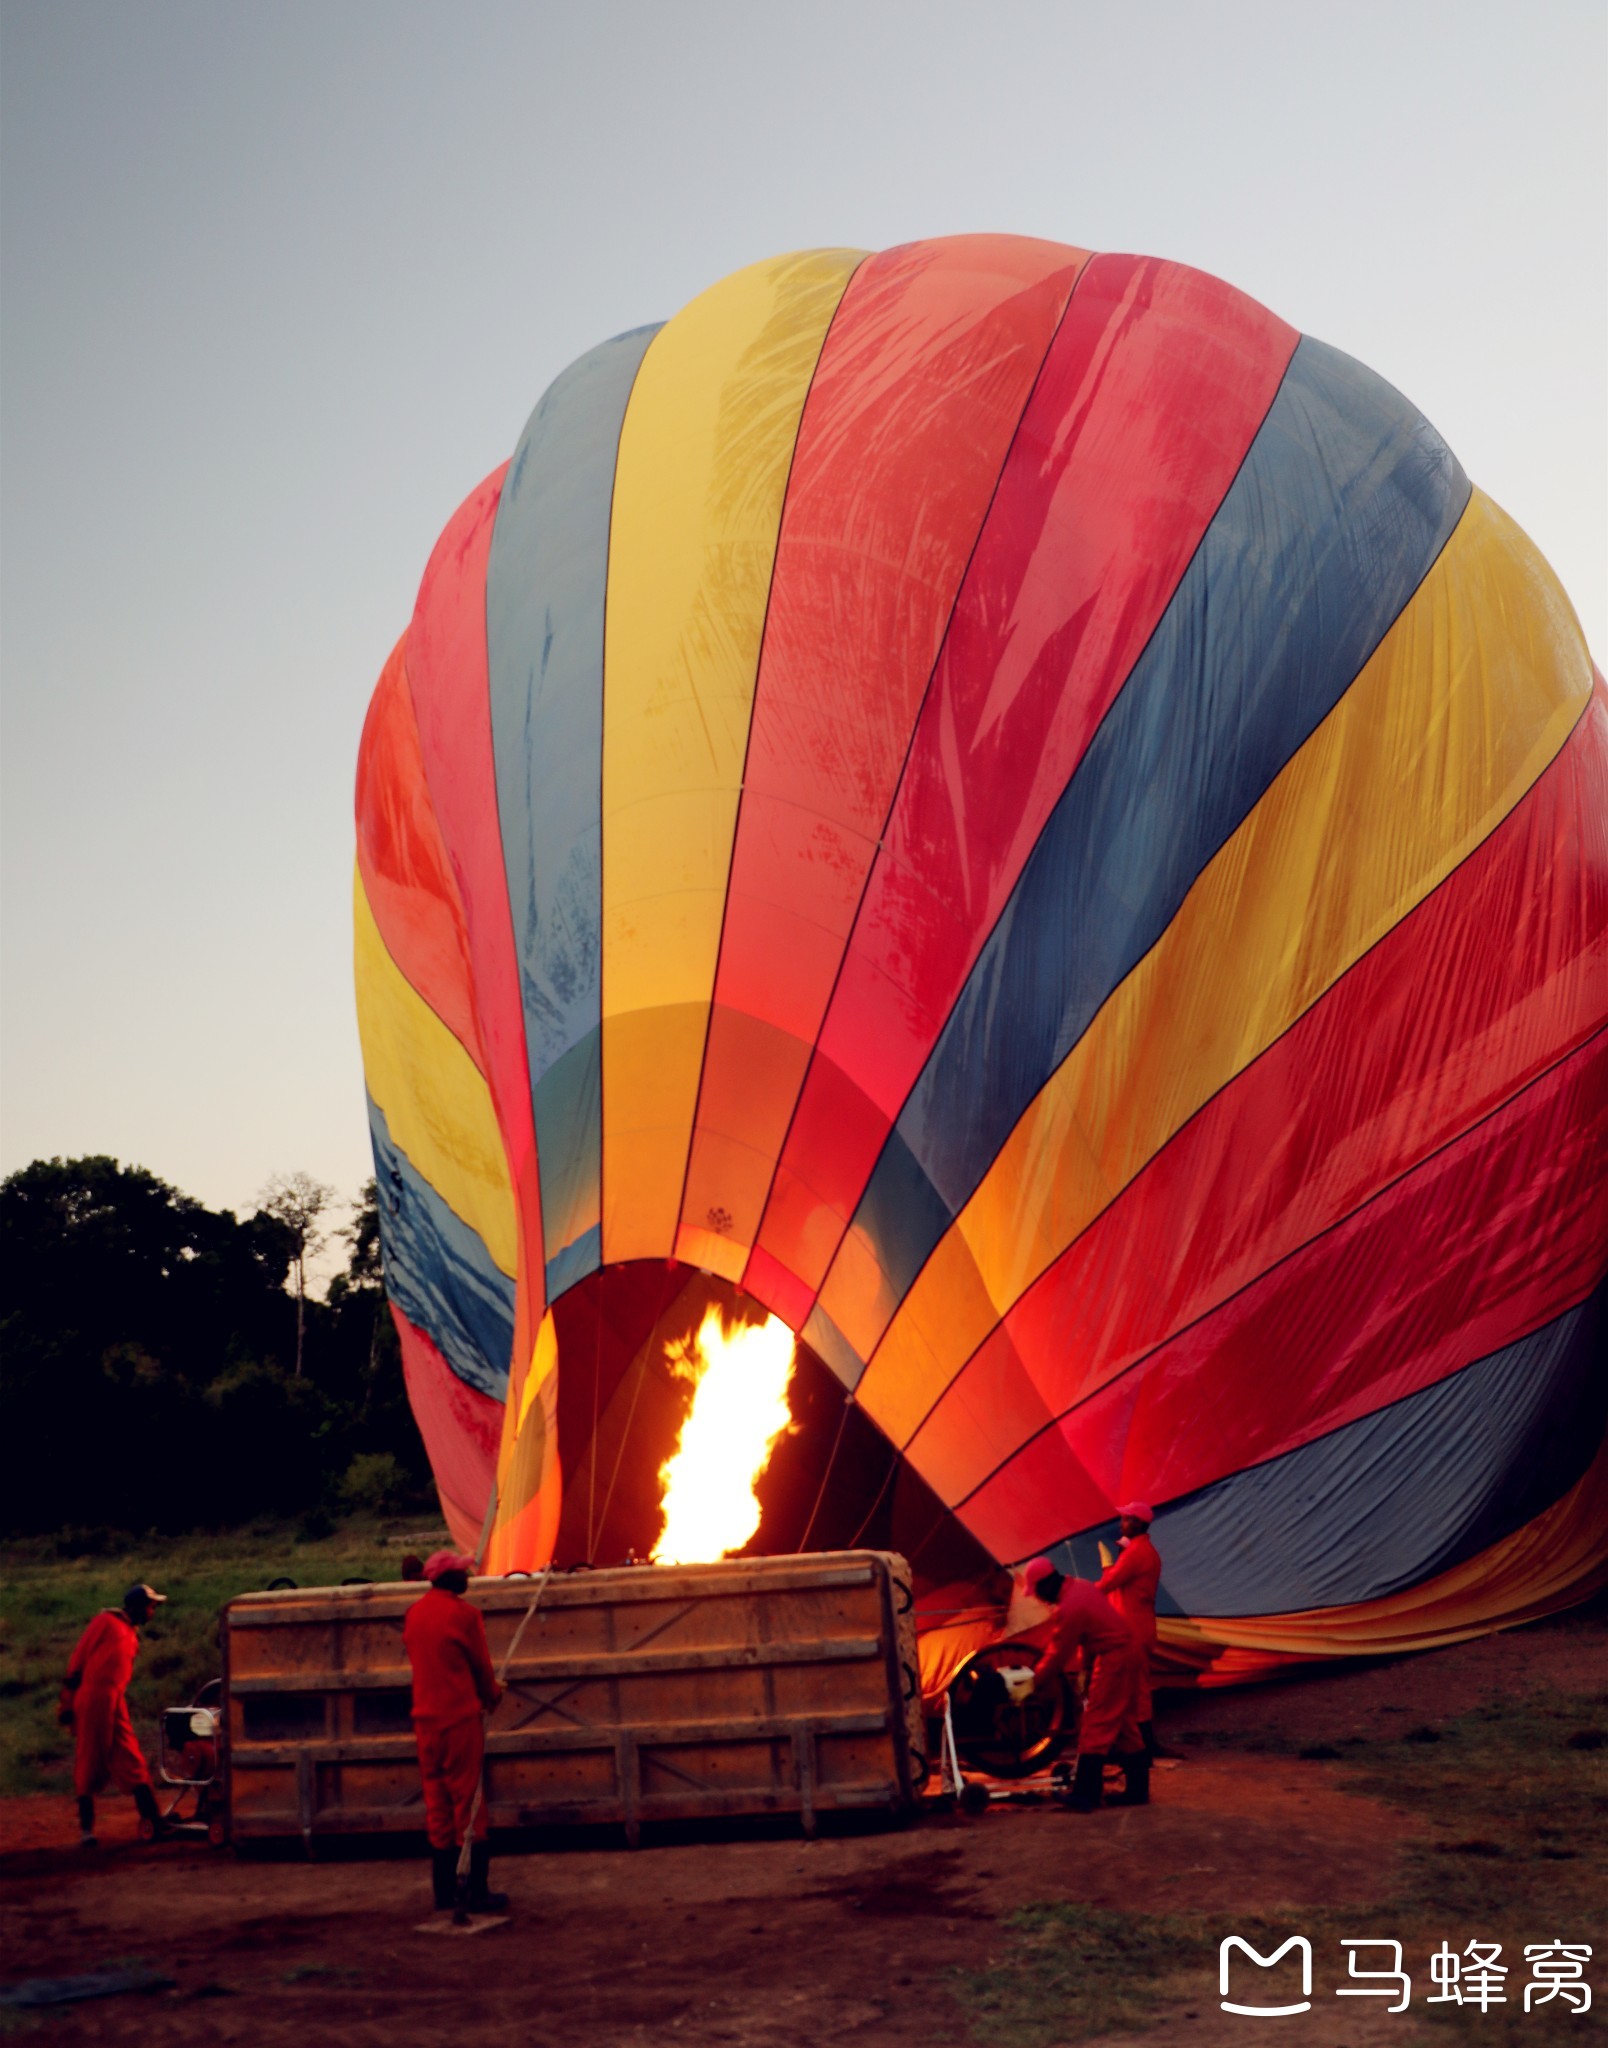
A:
[279, 283]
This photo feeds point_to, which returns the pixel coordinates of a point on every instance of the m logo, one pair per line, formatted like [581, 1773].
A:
[1266, 2012]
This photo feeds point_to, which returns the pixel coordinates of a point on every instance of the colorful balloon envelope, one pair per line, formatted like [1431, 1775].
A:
[1002, 805]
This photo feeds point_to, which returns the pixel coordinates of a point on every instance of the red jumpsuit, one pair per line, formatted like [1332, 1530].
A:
[98, 1672]
[1085, 1619]
[453, 1681]
[1131, 1582]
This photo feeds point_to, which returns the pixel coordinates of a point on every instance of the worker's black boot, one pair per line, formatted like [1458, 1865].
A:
[1087, 1785]
[444, 1878]
[480, 1899]
[1136, 1771]
[86, 1824]
[150, 1813]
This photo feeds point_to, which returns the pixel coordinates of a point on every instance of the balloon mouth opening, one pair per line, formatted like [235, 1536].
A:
[831, 1480]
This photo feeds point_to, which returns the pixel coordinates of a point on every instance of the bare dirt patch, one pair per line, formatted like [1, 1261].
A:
[746, 1941]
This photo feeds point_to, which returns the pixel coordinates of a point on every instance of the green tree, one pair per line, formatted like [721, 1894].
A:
[120, 1301]
[148, 1381]
[358, 1294]
[296, 1201]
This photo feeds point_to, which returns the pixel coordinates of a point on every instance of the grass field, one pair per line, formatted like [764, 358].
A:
[47, 1597]
[1514, 1797]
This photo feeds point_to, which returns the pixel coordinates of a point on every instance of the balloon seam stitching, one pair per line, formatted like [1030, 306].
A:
[1210, 855]
[602, 814]
[1027, 857]
[475, 1053]
[898, 783]
[1292, 1450]
[748, 742]
[1294, 1252]
[1230, 1081]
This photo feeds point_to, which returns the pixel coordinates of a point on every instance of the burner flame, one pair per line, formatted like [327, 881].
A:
[739, 1409]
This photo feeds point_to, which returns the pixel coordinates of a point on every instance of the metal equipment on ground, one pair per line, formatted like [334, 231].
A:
[1003, 1726]
[188, 1761]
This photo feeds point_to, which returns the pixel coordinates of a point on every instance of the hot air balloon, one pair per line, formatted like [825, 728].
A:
[1001, 806]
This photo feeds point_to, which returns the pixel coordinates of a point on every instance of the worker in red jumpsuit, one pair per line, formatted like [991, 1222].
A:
[1130, 1582]
[1086, 1621]
[454, 1685]
[94, 1704]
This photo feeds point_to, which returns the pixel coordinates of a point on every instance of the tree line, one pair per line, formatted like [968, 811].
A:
[157, 1372]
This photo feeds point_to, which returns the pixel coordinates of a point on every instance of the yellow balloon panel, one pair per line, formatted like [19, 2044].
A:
[702, 471]
[433, 1096]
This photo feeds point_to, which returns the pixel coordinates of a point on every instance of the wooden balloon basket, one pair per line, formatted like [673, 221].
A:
[780, 1685]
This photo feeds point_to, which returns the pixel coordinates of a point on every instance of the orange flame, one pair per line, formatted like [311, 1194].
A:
[739, 1409]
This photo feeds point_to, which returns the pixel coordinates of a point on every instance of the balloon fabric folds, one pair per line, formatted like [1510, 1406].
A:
[1002, 805]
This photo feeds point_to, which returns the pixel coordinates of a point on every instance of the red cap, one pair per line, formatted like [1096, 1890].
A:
[440, 1561]
[1037, 1569]
[1139, 1511]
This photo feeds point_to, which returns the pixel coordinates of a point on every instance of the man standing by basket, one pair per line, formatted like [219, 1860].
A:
[454, 1685]
[94, 1704]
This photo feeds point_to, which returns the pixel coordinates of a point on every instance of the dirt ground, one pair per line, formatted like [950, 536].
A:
[761, 1941]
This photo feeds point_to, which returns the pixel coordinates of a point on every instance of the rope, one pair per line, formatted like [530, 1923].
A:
[480, 1783]
[837, 1444]
[870, 1513]
[535, 1602]
[619, 1455]
[943, 1515]
[486, 1526]
[591, 1461]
